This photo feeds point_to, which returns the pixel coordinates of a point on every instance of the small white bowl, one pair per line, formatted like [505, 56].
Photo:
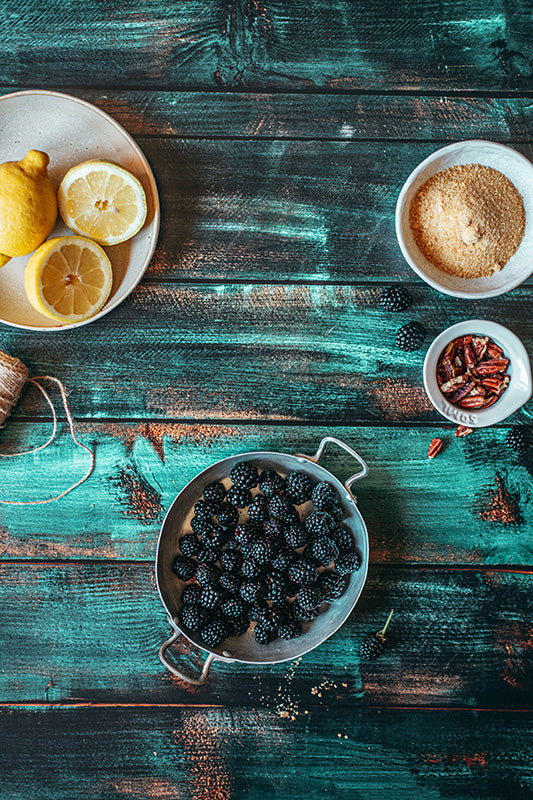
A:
[518, 169]
[517, 393]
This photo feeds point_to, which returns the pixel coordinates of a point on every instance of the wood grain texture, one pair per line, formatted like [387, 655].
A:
[222, 754]
[281, 210]
[87, 632]
[412, 513]
[341, 45]
[344, 117]
[305, 353]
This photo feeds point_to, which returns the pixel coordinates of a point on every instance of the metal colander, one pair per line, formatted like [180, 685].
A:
[245, 649]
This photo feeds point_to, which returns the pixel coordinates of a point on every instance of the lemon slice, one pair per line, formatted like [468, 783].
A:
[102, 201]
[68, 279]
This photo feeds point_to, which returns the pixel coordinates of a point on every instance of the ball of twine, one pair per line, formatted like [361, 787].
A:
[13, 377]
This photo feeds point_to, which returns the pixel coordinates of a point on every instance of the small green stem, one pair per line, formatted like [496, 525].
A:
[382, 632]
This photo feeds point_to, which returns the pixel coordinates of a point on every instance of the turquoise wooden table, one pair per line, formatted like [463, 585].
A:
[280, 135]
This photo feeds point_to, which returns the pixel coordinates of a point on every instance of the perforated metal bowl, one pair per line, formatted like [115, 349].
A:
[245, 649]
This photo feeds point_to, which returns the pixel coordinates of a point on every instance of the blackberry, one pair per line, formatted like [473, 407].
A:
[347, 563]
[204, 509]
[290, 629]
[302, 572]
[304, 615]
[280, 508]
[276, 588]
[193, 617]
[342, 538]
[256, 610]
[296, 536]
[227, 515]
[231, 560]
[234, 608]
[190, 595]
[210, 598]
[337, 512]
[219, 538]
[215, 632]
[240, 498]
[251, 568]
[274, 616]
[189, 545]
[238, 626]
[264, 635]
[410, 336]
[208, 554]
[251, 590]
[214, 492]
[282, 560]
[309, 597]
[184, 567]
[245, 533]
[273, 529]
[262, 551]
[230, 581]
[395, 298]
[201, 526]
[331, 585]
[319, 523]
[324, 496]
[206, 575]
[324, 550]
[271, 483]
[518, 438]
[299, 487]
[244, 475]
[371, 646]
[258, 508]
[374, 643]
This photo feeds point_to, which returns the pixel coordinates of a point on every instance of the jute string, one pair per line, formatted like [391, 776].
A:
[13, 376]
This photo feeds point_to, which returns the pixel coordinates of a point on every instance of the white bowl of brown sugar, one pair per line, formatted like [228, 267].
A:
[464, 219]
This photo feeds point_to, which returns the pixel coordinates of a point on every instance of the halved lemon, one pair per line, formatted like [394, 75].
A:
[102, 201]
[68, 279]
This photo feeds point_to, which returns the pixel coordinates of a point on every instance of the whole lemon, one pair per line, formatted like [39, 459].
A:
[28, 205]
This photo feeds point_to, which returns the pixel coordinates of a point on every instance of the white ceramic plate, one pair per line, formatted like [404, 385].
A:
[517, 393]
[71, 131]
[518, 169]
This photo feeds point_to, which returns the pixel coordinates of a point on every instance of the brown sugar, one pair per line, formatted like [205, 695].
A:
[468, 220]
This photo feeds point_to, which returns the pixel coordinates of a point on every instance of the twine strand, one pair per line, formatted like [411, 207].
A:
[13, 390]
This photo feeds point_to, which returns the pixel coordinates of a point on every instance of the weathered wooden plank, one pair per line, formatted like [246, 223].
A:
[308, 353]
[281, 210]
[89, 632]
[344, 45]
[190, 115]
[416, 510]
[170, 753]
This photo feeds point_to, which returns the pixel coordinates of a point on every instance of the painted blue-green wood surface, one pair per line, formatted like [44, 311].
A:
[280, 135]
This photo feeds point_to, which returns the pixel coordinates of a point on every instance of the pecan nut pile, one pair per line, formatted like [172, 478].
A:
[471, 372]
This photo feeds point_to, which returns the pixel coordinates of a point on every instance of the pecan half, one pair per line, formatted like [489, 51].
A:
[472, 402]
[462, 430]
[454, 383]
[491, 367]
[435, 446]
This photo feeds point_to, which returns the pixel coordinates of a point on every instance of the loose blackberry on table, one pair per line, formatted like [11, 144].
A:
[395, 298]
[518, 438]
[410, 336]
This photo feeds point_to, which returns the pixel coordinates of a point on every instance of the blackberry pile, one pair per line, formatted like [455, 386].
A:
[253, 555]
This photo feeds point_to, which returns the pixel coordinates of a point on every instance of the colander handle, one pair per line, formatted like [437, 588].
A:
[176, 672]
[320, 452]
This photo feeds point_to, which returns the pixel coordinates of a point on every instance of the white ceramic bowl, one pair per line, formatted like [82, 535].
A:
[518, 169]
[517, 393]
